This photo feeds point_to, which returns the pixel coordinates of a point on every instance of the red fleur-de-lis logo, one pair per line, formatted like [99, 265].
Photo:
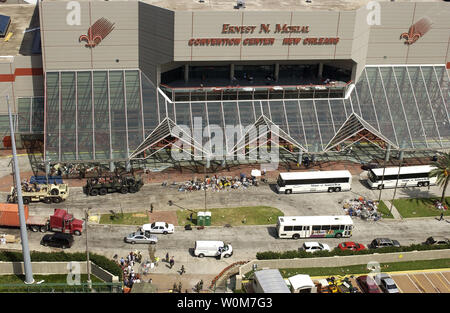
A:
[97, 32]
[417, 30]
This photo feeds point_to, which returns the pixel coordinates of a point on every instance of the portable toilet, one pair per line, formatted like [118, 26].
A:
[207, 218]
[201, 218]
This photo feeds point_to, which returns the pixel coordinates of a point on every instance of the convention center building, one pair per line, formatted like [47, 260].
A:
[124, 81]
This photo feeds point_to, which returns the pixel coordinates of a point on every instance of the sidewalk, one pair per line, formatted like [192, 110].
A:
[394, 211]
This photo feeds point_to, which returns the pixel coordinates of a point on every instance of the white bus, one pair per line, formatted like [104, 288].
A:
[296, 227]
[409, 176]
[317, 181]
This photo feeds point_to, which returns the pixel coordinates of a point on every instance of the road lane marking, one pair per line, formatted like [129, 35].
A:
[420, 289]
[445, 285]
[435, 288]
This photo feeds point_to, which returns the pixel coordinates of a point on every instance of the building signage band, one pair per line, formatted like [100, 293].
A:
[266, 41]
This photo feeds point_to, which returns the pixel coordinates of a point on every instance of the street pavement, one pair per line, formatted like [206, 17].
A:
[246, 240]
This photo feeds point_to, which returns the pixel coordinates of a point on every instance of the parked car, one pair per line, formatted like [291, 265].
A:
[368, 284]
[158, 228]
[437, 241]
[140, 237]
[58, 240]
[383, 242]
[350, 245]
[313, 246]
[386, 283]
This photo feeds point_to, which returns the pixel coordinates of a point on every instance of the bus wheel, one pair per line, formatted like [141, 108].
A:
[426, 184]
[47, 200]
[337, 189]
[26, 200]
[330, 189]
[380, 187]
[296, 236]
[34, 229]
[288, 192]
[338, 235]
[419, 184]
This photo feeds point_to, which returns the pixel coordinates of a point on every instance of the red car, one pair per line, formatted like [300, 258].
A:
[368, 284]
[350, 245]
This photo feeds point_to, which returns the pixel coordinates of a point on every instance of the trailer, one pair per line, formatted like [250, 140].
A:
[60, 221]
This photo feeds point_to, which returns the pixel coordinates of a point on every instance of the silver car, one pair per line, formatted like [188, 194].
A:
[386, 283]
[140, 237]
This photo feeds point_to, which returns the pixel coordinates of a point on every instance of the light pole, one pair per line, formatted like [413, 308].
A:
[23, 228]
[88, 263]
[396, 184]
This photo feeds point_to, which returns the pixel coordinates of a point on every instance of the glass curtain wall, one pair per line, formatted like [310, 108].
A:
[97, 115]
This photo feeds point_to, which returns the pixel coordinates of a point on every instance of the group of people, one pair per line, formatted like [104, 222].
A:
[217, 183]
[127, 264]
[365, 209]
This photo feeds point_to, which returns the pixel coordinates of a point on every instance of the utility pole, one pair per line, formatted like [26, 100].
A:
[88, 263]
[23, 228]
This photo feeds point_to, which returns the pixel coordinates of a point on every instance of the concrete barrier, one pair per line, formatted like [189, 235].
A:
[51, 268]
[338, 261]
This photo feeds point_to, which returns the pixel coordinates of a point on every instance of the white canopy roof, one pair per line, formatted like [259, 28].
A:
[301, 281]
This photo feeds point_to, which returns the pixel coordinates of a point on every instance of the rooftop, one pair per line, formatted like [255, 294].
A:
[267, 5]
[262, 5]
[23, 17]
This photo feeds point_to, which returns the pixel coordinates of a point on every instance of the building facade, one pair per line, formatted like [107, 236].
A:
[124, 80]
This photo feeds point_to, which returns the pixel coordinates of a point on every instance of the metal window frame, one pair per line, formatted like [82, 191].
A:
[403, 107]
[431, 107]
[417, 108]
[389, 106]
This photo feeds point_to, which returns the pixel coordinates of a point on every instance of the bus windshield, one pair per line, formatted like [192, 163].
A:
[372, 176]
[280, 181]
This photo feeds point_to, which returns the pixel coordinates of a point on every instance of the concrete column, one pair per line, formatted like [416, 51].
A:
[208, 163]
[388, 152]
[111, 166]
[128, 166]
[47, 168]
[277, 71]
[400, 155]
[231, 71]
[186, 73]
[319, 73]
[300, 158]
[238, 282]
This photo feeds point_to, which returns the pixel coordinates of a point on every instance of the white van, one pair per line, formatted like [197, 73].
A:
[212, 248]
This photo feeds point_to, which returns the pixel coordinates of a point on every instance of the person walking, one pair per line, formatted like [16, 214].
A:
[442, 216]
[172, 262]
[151, 207]
[182, 271]
[167, 257]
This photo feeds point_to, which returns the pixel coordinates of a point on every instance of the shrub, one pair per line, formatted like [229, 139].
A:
[100, 260]
[291, 254]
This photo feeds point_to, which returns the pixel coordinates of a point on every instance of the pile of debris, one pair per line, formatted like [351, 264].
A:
[217, 183]
[365, 209]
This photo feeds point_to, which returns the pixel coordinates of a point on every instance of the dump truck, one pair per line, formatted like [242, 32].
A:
[103, 185]
[47, 193]
[60, 221]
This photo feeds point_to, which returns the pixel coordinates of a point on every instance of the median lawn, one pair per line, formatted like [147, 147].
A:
[384, 210]
[254, 215]
[137, 218]
[362, 269]
[420, 207]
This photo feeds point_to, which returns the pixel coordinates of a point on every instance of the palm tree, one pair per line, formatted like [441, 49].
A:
[442, 172]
